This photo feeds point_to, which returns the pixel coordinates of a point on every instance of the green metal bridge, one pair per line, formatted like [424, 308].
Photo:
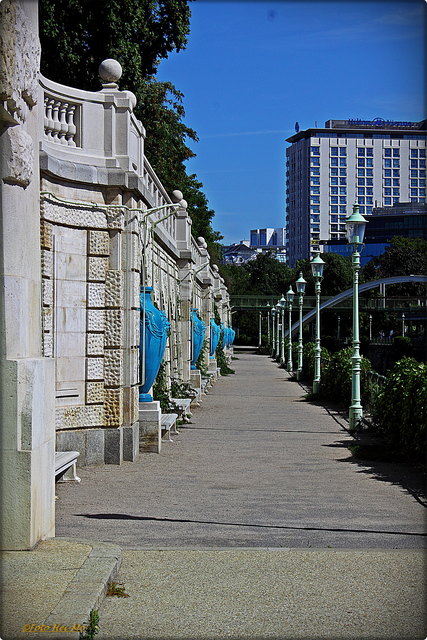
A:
[343, 301]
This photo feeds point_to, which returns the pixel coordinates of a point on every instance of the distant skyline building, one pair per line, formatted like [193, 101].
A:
[261, 241]
[405, 219]
[376, 163]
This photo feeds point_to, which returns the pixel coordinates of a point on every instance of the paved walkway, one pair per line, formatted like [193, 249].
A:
[258, 467]
[254, 523]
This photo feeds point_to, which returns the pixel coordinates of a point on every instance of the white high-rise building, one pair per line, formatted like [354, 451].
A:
[374, 163]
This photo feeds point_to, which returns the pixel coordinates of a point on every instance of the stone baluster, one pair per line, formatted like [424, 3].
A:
[48, 118]
[63, 122]
[56, 124]
[71, 126]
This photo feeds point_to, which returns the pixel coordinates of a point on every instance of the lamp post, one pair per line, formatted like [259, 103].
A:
[259, 329]
[273, 314]
[403, 325]
[268, 324]
[339, 328]
[356, 224]
[300, 285]
[317, 265]
[282, 303]
[290, 298]
[370, 327]
[277, 352]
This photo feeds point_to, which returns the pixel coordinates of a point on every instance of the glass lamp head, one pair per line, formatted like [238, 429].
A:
[290, 295]
[317, 265]
[300, 284]
[282, 301]
[356, 225]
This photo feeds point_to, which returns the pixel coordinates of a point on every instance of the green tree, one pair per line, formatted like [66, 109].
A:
[137, 33]
[267, 275]
[337, 274]
[76, 36]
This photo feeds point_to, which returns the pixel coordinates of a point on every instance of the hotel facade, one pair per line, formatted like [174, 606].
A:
[375, 163]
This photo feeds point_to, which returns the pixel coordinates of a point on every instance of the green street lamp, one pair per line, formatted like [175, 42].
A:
[290, 298]
[317, 265]
[300, 285]
[273, 325]
[268, 324]
[277, 351]
[356, 225]
[282, 303]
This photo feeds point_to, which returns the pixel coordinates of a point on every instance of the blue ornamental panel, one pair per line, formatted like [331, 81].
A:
[215, 334]
[154, 334]
[199, 329]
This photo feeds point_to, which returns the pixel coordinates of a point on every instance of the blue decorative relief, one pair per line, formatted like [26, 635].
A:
[199, 329]
[153, 342]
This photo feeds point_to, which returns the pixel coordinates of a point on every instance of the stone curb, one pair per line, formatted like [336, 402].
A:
[87, 589]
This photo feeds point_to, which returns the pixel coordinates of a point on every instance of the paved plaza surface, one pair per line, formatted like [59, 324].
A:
[260, 467]
[256, 523]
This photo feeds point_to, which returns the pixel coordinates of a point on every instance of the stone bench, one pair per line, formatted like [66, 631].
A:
[65, 466]
[183, 407]
[168, 424]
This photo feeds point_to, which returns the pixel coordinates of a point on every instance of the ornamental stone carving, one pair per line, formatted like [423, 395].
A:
[19, 164]
[19, 60]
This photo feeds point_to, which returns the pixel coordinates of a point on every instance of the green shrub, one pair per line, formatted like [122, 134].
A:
[399, 412]
[336, 376]
[308, 357]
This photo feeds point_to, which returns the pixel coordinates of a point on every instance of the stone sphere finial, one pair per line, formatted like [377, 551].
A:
[110, 70]
[201, 242]
[176, 195]
[183, 204]
[215, 268]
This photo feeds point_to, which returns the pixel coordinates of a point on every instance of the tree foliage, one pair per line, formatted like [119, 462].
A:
[76, 36]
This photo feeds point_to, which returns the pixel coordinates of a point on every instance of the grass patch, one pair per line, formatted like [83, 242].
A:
[117, 589]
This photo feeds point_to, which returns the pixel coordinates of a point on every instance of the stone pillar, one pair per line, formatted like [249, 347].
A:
[27, 378]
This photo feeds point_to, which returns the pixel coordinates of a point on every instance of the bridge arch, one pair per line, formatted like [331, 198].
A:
[348, 293]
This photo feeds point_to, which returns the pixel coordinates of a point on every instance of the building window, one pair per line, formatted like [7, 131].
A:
[334, 172]
[361, 182]
[315, 199]
[387, 202]
[315, 190]
[395, 200]
[421, 192]
[370, 172]
[361, 191]
[334, 209]
[369, 182]
[396, 153]
[422, 153]
[414, 192]
[343, 181]
[387, 173]
[343, 200]
[361, 200]
[334, 199]
[343, 172]
[315, 162]
[369, 191]
[361, 172]
[396, 173]
[414, 153]
[369, 200]
[361, 151]
[334, 190]
[414, 163]
[315, 218]
[370, 152]
[421, 183]
[422, 164]
[343, 208]
[315, 151]
[315, 181]
[414, 183]
[396, 182]
[343, 162]
[360, 162]
[334, 180]
[387, 192]
[334, 162]
[369, 210]
[362, 210]
[387, 153]
[334, 218]
[334, 227]
[315, 172]
[334, 151]
[387, 162]
[396, 163]
[343, 151]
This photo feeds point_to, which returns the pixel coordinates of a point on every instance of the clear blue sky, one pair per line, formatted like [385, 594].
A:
[252, 69]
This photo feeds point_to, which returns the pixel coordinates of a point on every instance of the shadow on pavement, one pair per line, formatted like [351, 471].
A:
[126, 516]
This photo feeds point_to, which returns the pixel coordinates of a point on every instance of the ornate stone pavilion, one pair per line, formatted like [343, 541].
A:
[86, 225]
